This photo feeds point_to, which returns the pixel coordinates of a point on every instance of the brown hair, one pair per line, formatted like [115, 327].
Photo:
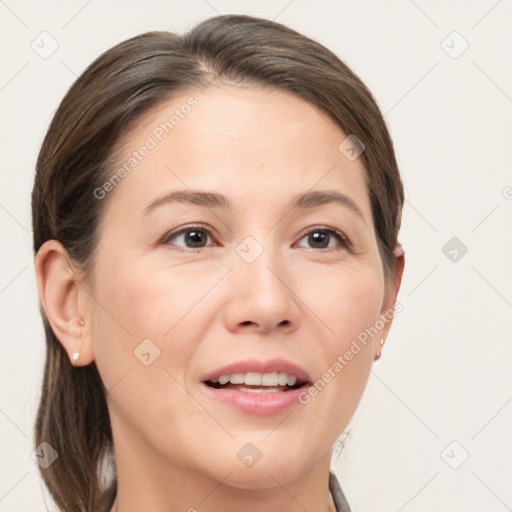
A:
[119, 88]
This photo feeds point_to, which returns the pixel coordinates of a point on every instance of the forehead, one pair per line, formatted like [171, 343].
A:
[238, 140]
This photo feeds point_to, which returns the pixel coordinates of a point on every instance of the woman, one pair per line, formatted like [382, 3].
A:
[215, 226]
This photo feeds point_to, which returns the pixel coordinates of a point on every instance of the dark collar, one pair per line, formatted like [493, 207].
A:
[338, 497]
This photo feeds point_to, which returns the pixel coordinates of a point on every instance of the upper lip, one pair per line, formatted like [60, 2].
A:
[259, 366]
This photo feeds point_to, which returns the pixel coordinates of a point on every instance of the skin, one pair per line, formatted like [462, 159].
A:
[176, 448]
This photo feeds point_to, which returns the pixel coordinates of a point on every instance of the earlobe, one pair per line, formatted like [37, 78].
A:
[392, 288]
[379, 353]
[59, 294]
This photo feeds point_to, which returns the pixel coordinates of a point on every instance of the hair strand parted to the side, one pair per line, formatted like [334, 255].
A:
[78, 154]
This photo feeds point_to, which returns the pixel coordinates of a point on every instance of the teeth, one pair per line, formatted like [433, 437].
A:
[253, 379]
[259, 379]
[223, 379]
[237, 378]
[269, 379]
[291, 380]
[282, 379]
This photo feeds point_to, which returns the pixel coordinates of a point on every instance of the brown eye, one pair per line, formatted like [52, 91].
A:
[318, 239]
[324, 239]
[191, 238]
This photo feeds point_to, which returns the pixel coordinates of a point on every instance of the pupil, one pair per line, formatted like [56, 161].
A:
[196, 238]
[320, 239]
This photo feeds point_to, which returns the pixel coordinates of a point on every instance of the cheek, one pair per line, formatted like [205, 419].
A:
[347, 299]
[138, 299]
[140, 316]
[145, 300]
[349, 303]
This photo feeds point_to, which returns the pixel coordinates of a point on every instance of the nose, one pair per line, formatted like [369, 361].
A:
[262, 298]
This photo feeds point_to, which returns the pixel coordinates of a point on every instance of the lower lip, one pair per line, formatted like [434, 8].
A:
[256, 403]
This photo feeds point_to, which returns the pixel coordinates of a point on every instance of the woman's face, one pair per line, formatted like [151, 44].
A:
[219, 247]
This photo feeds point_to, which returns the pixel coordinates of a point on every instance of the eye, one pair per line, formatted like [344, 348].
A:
[192, 237]
[324, 238]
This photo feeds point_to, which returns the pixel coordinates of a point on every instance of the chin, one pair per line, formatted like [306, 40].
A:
[267, 472]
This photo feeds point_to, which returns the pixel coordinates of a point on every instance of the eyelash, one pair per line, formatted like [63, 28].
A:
[343, 241]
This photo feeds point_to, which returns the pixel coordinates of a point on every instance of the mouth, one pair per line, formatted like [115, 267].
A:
[254, 382]
[257, 387]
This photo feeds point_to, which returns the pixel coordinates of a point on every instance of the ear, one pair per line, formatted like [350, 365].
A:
[62, 298]
[391, 292]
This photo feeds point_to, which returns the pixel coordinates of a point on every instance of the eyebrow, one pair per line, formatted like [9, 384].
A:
[206, 199]
[312, 199]
[214, 200]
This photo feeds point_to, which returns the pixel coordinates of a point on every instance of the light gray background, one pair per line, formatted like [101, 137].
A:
[445, 371]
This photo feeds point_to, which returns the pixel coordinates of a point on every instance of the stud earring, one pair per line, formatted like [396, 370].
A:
[379, 353]
[76, 355]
